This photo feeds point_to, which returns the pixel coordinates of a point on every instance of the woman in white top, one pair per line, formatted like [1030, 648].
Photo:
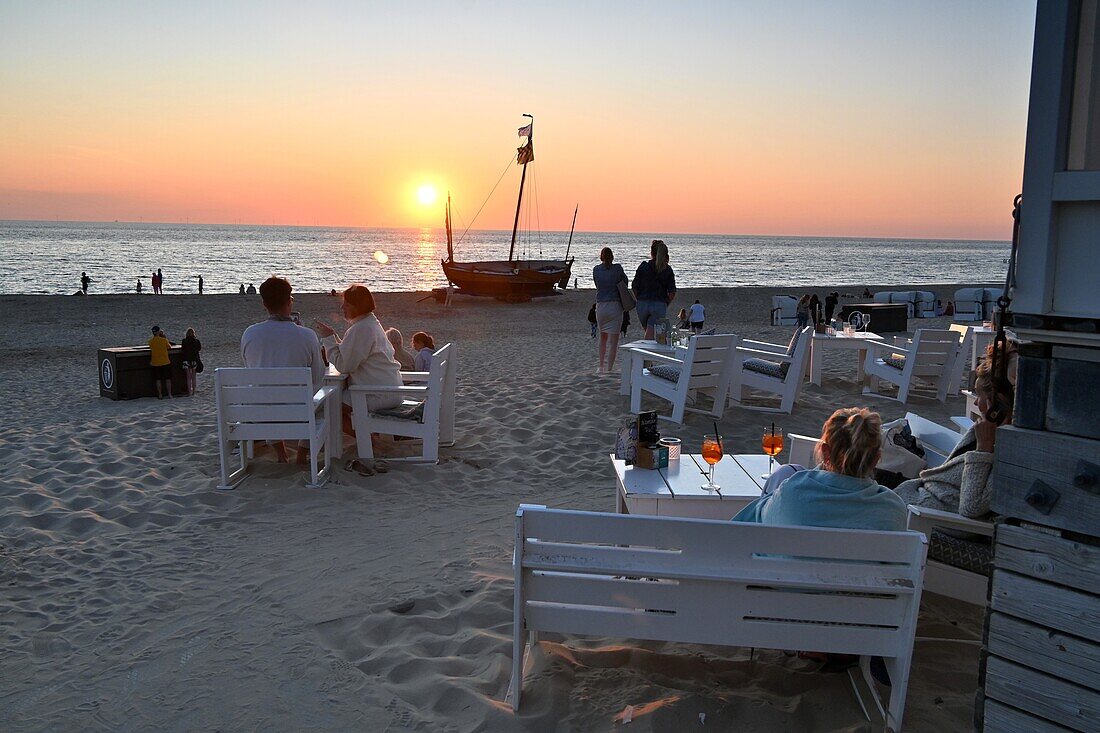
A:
[364, 354]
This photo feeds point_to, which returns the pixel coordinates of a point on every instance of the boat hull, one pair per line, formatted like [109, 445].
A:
[504, 279]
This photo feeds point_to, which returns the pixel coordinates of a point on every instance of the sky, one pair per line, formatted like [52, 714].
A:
[873, 118]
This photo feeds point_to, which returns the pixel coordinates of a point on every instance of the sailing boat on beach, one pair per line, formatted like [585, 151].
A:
[511, 279]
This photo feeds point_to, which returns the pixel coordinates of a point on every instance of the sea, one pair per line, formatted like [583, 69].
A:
[48, 257]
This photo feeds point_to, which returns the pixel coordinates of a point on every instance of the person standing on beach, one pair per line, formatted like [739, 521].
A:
[609, 307]
[815, 309]
[191, 347]
[831, 301]
[84, 280]
[154, 283]
[242, 289]
[802, 311]
[280, 342]
[654, 287]
[696, 317]
[159, 347]
[139, 286]
[160, 281]
[200, 284]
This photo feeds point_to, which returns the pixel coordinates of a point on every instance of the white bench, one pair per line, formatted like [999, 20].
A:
[273, 404]
[711, 582]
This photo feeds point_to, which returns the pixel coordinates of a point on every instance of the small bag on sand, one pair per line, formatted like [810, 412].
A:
[901, 453]
[626, 297]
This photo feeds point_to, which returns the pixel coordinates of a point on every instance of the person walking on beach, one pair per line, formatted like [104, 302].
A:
[696, 316]
[609, 307]
[802, 311]
[280, 342]
[160, 281]
[84, 280]
[139, 286]
[815, 309]
[154, 283]
[654, 287]
[161, 363]
[191, 347]
[831, 301]
[200, 284]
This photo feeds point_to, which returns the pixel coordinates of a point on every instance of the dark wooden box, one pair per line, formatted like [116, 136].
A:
[885, 317]
[125, 374]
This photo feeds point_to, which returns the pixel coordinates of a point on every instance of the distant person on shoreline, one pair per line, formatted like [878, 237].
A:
[200, 284]
[831, 301]
[155, 283]
[160, 282]
[191, 361]
[609, 307]
[251, 289]
[696, 317]
[815, 309]
[279, 342]
[242, 289]
[161, 363]
[139, 286]
[867, 293]
[949, 309]
[84, 280]
[404, 358]
[802, 311]
[654, 287]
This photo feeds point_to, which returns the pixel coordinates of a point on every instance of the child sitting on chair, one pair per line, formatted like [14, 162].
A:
[424, 346]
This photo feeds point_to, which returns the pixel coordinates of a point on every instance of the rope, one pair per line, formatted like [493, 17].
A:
[999, 356]
[506, 167]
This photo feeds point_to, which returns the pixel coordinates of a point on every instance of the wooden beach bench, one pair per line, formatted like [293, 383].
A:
[725, 583]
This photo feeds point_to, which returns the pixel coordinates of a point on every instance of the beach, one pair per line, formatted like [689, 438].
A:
[137, 597]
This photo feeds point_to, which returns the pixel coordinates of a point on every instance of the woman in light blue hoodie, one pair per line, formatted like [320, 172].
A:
[841, 492]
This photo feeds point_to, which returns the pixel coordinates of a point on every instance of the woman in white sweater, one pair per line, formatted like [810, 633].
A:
[961, 484]
[364, 353]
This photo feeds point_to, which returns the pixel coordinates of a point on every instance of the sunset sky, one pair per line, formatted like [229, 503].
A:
[875, 118]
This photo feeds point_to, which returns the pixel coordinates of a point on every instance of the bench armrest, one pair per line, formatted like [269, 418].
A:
[770, 356]
[321, 395]
[651, 356]
[763, 346]
[386, 389]
[415, 376]
[938, 518]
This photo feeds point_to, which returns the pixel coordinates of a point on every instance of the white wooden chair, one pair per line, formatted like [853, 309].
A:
[418, 416]
[960, 376]
[272, 404]
[705, 367]
[447, 409]
[803, 450]
[725, 583]
[773, 368]
[929, 359]
[938, 442]
[939, 577]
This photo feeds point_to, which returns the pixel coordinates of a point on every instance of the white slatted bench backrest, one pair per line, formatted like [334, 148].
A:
[265, 404]
[437, 376]
[711, 582]
[933, 353]
[708, 359]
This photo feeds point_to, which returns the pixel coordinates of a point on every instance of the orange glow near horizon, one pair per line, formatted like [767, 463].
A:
[762, 136]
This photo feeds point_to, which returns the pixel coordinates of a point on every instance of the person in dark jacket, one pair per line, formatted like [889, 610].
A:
[831, 301]
[190, 349]
[654, 287]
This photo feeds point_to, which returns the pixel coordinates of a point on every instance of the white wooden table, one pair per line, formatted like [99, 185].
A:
[626, 358]
[335, 438]
[677, 491]
[858, 342]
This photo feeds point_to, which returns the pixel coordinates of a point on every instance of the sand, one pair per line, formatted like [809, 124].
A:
[137, 597]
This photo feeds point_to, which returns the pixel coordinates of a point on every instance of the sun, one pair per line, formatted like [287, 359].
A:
[427, 194]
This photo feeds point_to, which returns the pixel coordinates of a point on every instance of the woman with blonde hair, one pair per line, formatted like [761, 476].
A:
[654, 287]
[841, 491]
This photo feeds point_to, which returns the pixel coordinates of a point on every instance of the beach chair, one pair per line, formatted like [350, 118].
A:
[960, 375]
[418, 416]
[784, 310]
[953, 561]
[969, 304]
[699, 581]
[928, 360]
[772, 368]
[272, 404]
[705, 367]
[447, 408]
[803, 450]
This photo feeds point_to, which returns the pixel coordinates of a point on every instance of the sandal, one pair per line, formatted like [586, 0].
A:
[359, 467]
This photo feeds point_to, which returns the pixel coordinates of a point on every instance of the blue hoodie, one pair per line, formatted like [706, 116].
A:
[818, 498]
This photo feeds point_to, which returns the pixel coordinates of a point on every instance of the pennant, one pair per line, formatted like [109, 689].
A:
[526, 130]
[525, 154]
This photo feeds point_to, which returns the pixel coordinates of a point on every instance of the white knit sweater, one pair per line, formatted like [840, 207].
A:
[961, 484]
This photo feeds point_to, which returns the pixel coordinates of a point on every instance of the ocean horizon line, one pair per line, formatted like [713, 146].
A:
[248, 225]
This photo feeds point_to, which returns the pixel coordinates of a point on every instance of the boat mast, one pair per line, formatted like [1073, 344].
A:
[450, 247]
[525, 155]
[571, 228]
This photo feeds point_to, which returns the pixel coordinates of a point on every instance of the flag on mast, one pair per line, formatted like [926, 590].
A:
[525, 131]
[525, 154]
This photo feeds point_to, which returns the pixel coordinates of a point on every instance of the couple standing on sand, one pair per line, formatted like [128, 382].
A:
[653, 288]
[364, 353]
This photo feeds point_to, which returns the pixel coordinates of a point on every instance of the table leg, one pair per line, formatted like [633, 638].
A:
[815, 364]
[859, 365]
[336, 426]
[620, 503]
